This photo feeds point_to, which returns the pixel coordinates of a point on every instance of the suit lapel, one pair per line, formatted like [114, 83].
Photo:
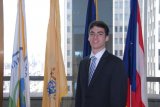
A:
[99, 67]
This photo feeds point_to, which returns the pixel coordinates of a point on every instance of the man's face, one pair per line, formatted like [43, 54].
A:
[97, 38]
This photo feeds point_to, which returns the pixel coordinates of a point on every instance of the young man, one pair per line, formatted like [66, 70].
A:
[102, 80]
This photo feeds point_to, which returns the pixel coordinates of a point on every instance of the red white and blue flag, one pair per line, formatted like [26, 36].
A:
[134, 59]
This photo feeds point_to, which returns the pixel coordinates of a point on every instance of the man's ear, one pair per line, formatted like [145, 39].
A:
[107, 38]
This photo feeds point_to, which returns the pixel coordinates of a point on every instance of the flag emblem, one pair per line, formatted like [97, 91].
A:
[51, 87]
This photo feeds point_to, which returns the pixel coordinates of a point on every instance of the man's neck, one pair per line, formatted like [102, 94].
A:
[95, 51]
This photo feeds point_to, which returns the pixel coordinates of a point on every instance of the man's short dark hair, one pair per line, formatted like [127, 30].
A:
[99, 24]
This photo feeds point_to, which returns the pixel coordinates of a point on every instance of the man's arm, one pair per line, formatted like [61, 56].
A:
[78, 90]
[119, 86]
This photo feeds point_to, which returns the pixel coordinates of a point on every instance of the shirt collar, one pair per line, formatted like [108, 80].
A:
[99, 54]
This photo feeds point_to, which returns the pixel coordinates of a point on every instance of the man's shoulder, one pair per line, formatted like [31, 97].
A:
[86, 58]
[114, 57]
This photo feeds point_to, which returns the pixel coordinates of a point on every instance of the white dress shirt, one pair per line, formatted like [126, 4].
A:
[98, 55]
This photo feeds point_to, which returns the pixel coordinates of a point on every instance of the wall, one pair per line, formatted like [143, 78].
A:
[37, 102]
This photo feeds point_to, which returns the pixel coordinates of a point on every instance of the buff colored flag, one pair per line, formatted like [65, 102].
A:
[19, 84]
[55, 82]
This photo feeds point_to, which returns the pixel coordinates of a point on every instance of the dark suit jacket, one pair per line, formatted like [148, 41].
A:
[108, 87]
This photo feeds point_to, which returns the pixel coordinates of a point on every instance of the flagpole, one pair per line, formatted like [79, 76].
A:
[97, 14]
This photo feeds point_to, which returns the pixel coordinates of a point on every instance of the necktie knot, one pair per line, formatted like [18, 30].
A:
[92, 68]
[93, 58]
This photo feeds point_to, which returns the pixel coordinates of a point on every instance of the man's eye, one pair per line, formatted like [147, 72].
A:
[100, 33]
[91, 34]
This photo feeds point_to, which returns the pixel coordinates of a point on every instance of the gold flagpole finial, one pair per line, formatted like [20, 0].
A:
[96, 4]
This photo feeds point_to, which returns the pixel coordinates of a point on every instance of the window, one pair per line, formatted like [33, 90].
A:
[126, 28]
[68, 29]
[159, 31]
[120, 17]
[120, 29]
[78, 53]
[120, 4]
[68, 64]
[116, 4]
[116, 52]
[116, 40]
[120, 40]
[159, 7]
[126, 17]
[127, 5]
[120, 52]
[68, 17]
[116, 17]
[36, 39]
[68, 40]
[68, 5]
[68, 52]
[116, 29]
